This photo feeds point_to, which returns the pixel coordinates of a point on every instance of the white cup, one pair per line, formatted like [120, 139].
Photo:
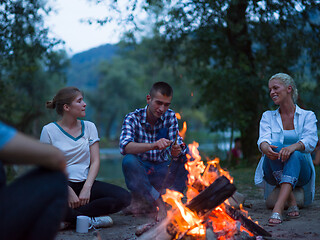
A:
[83, 223]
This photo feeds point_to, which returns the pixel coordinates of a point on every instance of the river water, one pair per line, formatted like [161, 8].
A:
[111, 160]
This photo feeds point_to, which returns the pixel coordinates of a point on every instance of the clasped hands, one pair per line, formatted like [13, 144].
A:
[74, 201]
[282, 155]
[164, 143]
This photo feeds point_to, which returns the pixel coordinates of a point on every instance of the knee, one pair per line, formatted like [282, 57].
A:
[130, 161]
[296, 158]
[278, 144]
[296, 155]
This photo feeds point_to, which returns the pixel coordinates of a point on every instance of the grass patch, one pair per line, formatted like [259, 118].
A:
[243, 179]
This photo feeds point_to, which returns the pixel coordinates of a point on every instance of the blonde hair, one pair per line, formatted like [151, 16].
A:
[287, 80]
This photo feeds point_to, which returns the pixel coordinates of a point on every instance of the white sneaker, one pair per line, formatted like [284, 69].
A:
[98, 222]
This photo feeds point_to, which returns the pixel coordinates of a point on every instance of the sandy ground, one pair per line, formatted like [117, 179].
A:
[305, 227]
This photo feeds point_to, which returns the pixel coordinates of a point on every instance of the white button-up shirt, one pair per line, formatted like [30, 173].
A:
[271, 131]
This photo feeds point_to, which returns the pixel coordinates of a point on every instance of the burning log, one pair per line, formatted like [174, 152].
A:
[212, 196]
[204, 214]
[203, 204]
[208, 199]
[246, 222]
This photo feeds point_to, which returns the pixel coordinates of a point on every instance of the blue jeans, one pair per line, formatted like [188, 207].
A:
[295, 170]
[146, 178]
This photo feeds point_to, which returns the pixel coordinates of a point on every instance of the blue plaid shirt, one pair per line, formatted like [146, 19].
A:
[135, 128]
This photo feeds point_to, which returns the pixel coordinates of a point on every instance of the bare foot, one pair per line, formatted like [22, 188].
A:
[162, 211]
[138, 206]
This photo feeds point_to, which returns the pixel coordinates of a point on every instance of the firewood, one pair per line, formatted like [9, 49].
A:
[246, 222]
[208, 199]
[212, 196]
[159, 232]
[143, 228]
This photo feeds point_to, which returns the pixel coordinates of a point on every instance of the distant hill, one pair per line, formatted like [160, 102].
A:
[83, 71]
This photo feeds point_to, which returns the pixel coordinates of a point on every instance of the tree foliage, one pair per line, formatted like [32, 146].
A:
[30, 71]
[231, 47]
[125, 81]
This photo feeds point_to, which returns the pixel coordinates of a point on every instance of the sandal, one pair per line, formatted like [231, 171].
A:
[275, 216]
[292, 210]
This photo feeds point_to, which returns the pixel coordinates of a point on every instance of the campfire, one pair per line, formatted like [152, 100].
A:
[205, 212]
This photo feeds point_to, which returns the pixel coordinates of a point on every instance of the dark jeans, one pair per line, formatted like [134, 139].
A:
[33, 206]
[105, 199]
[146, 178]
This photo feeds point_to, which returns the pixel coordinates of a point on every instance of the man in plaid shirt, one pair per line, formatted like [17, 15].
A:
[148, 142]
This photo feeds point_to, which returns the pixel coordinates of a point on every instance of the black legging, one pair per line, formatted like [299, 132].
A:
[105, 199]
[33, 206]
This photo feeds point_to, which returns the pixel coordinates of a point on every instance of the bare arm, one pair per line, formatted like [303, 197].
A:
[316, 160]
[84, 195]
[26, 150]
[135, 148]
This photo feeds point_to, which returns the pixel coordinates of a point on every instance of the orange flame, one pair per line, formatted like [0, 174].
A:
[201, 176]
[183, 216]
[183, 131]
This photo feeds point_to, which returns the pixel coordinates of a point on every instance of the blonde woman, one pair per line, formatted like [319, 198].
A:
[287, 136]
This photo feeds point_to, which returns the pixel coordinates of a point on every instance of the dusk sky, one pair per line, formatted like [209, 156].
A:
[65, 24]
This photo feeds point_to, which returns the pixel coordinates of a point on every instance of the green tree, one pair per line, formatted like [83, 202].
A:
[126, 80]
[29, 68]
[231, 47]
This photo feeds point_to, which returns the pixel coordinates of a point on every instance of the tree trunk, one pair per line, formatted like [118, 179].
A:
[249, 137]
[243, 60]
